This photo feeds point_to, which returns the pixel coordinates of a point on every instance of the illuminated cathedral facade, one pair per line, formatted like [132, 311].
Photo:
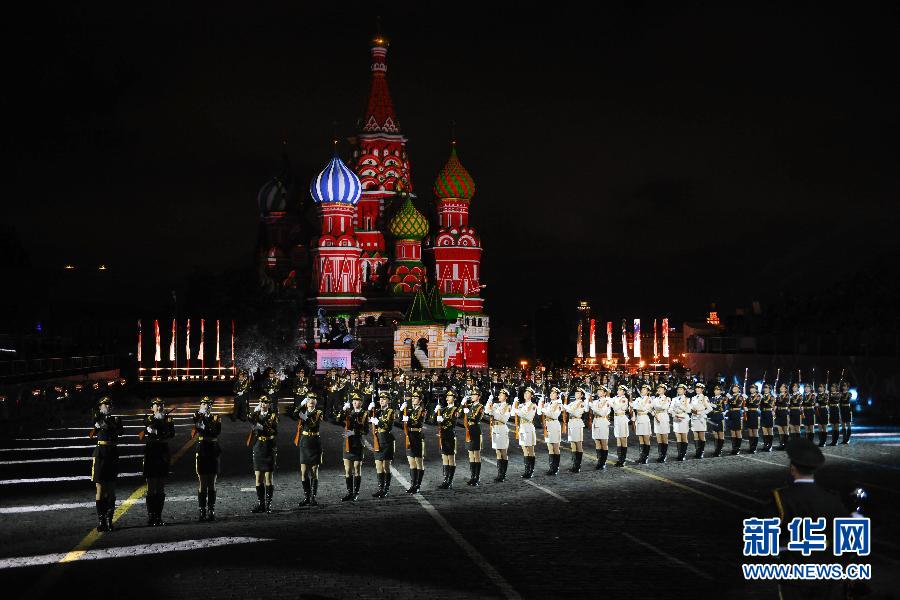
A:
[409, 291]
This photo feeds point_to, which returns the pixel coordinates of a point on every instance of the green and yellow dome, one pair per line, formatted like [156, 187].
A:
[408, 223]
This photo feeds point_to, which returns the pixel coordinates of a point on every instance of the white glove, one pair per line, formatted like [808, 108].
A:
[96, 425]
[405, 418]
[373, 420]
[440, 419]
[403, 406]
[437, 408]
[256, 409]
[202, 425]
[303, 402]
[346, 405]
[203, 410]
[149, 429]
[157, 415]
[466, 411]
[371, 406]
[259, 426]
[463, 403]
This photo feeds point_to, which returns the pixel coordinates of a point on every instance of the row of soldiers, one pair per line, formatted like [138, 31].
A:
[685, 409]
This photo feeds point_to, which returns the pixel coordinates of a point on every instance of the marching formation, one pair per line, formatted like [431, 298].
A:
[374, 412]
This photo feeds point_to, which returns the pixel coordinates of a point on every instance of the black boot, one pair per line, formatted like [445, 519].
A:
[532, 462]
[645, 454]
[621, 453]
[357, 481]
[663, 452]
[718, 451]
[201, 501]
[387, 484]
[260, 500]
[782, 443]
[576, 463]
[270, 492]
[502, 463]
[682, 450]
[767, 443]
[847, 434]
[102, 524]
[701, 444]
[554, 469]
[380, 492]
[315, 490]
[420, 474]
[451, 471]
[445, 470]
[471, 480]
[822, 435]
[735, 446]
[348, 481]
[754, 442]
[834, 437]
[413, 477]
[211, 505]
[307, 491]
[110, 512]
[160, 502]
[150, 501]
[599, 464]
[810, 435]
[477, 481]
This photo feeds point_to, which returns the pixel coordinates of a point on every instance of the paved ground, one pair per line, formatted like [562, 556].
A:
[643, 530]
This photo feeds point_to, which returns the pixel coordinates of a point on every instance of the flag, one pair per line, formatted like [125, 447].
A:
[139, 342]
[655, 346]
[156, 356]
[609, 340]
[172, 343]
[202, 332]
[578, 349]
[187, 342]
[665, 332]
[637, 338]
[217, 342]
[624, 340]
[593, 348]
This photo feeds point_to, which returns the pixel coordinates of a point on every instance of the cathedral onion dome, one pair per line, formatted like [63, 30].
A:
[272, 197]
[335, 184]
[454, 181]
[408, 223]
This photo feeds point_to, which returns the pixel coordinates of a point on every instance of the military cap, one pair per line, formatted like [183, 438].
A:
[355, 396]
[384, 393]
[415, 395]
[265, 399]
[529, 389]
[157, 400]
[605, 388]
[805, 454]
[645, 385]
[662, 385]
[475, 392]
[623, 387]
[104, 400]
[503, 391]
[311, 395]
[555, 389]
[754, 386]
[451, 393]
[205, 400]
[681, 386]
[700, 385]
[583, 390]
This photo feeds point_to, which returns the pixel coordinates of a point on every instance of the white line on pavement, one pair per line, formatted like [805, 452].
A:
[724, 489]
[474, 555]
[56, 479]
[15, 510]
[669, 557]
[768, 462]
[68, 437]
[859, 460]
[128, 551]
[529, 482]
[33, 461]
[61, 448]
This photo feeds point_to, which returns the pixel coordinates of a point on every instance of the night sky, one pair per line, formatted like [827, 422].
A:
[651, 158]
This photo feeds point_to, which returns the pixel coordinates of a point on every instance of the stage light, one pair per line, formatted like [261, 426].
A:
[101, 268]
[69, 267]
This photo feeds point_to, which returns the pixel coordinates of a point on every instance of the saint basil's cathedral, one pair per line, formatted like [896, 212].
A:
[406, 289]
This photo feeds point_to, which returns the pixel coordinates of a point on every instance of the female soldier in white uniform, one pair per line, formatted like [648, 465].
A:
[619, 406]
[525, 414]
[680, 411]
[600, 425]
[661, 424]
[499, 413]
[700, 407]
[641, 407]
[576, 410]
[550, 412]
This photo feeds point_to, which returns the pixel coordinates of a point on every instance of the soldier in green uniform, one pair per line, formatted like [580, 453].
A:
[105, 462]
[446, 418]
[309, 419]
[846, 411]
[473, 411]
[271, 385]
[413, 422]
[382, 421]
[241, 397]
[207, 426]
[264, 421]
[353, 418]
[159, 428]
[822, 413]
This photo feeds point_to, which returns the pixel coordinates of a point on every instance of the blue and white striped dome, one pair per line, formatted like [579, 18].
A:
[336, 183]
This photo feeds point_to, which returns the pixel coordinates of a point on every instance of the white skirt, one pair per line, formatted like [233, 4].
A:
[662, 425]
[620, 426]
[576, 430]
[527, 436]
[698, 422]
[600, 429]
[680, 426]
[642, 425]
[554, 432]
[500, 437]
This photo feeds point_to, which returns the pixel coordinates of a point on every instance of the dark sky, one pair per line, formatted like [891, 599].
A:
[650, 157]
